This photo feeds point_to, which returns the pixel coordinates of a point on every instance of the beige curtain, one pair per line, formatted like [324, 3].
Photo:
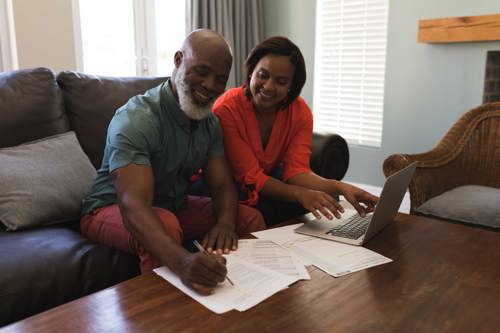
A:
[239, 21]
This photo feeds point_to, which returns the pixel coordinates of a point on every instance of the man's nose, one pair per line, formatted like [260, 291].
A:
[210, 83]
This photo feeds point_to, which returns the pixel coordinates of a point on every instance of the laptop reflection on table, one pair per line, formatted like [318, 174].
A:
[356, 230]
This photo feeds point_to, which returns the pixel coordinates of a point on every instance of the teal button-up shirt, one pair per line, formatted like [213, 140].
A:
[151, 129]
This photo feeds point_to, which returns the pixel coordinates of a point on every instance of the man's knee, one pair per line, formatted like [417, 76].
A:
[170, 223]
[250, 220]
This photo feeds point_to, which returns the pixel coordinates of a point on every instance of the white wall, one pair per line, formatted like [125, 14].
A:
[44, 34]
[427, 86]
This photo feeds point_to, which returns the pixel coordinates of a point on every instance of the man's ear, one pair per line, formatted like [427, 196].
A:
[178, 59]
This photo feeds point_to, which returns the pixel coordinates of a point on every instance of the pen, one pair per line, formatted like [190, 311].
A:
[202, 249]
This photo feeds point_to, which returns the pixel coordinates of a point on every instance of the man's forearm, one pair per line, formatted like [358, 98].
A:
[224, 199]
[148, 230]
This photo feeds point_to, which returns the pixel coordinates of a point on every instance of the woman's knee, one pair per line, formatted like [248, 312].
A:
[249, 220]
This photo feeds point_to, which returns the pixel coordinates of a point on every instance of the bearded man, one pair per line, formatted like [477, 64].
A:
[155, 143]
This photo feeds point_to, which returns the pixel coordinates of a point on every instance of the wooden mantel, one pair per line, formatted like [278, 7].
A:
[460, 29]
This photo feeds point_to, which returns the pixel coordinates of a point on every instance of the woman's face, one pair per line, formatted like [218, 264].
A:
[270, 82]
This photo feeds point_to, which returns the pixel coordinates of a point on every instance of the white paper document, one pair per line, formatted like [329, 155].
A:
[268, 254]
[334, 258]
[338, 259]
[252, 285]
[287, 238]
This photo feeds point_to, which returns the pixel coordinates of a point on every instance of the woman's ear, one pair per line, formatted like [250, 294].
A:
[178, 59]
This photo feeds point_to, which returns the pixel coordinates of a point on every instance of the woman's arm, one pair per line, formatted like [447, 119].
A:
[352, 194]
[313, 200]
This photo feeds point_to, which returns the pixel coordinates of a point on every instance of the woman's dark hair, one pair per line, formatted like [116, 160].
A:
[278, 45]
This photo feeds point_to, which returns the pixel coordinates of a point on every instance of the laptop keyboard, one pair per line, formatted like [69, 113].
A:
[353, 228]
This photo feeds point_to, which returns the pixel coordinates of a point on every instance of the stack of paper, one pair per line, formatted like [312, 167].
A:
[334, 258]
[271, 255]
[252, 285]
[262, 267]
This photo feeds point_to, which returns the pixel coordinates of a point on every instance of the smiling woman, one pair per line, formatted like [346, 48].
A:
[267, 139]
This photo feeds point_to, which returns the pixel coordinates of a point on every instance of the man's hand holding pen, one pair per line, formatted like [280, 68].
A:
[203, 272]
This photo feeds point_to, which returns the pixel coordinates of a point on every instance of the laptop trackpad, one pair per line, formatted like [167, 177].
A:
[323, 225]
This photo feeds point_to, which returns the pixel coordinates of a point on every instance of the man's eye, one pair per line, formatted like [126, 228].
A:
[201, 71]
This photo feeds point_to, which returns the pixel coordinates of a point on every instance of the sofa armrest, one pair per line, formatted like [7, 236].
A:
[329, 155]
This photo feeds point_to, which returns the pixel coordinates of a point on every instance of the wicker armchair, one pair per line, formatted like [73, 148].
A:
[468, 154]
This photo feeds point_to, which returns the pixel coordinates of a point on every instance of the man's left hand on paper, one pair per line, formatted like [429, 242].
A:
[221, 239]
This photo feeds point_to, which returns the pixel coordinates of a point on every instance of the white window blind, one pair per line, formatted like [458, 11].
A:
[351, 40]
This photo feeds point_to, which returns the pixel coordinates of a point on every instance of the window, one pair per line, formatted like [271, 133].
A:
[1, 58]
[349, 69]
[8, 54]
[129, 37]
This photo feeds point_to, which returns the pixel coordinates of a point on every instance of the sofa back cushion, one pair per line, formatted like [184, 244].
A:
[91, 102]
[31, 106]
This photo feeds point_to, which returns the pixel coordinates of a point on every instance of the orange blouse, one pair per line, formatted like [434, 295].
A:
[289, 142]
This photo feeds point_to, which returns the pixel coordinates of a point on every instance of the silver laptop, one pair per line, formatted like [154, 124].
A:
[354, 229]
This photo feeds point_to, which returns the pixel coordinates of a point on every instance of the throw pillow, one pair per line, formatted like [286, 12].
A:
[43, 181]
[471, 204]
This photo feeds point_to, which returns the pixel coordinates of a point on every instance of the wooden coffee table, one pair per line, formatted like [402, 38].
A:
[445, 278]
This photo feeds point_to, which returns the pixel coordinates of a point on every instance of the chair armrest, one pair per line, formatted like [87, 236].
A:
[429, 180]
[465, 155]
[329, 155]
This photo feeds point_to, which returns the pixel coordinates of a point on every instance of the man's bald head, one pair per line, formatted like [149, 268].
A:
[206, 38]
[201, 71]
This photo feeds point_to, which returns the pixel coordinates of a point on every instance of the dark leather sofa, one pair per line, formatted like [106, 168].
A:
[43, 267]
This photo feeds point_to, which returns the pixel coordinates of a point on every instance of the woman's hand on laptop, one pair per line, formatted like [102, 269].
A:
[319, 203]
[361, 200]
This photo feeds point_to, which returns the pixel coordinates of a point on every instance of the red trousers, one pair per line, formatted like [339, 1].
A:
[105, 226]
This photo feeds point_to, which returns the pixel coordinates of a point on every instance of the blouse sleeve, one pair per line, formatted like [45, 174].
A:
[298, 155]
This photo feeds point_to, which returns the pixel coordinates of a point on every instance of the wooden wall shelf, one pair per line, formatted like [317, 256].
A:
[460, 29]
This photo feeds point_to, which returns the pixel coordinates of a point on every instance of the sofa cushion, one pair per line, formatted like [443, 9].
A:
[46, 267]
[43, 181]
[31, 106]
[471, 204]
[91, 102]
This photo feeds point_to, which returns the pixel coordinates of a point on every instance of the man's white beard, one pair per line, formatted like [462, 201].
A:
[190, 108]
